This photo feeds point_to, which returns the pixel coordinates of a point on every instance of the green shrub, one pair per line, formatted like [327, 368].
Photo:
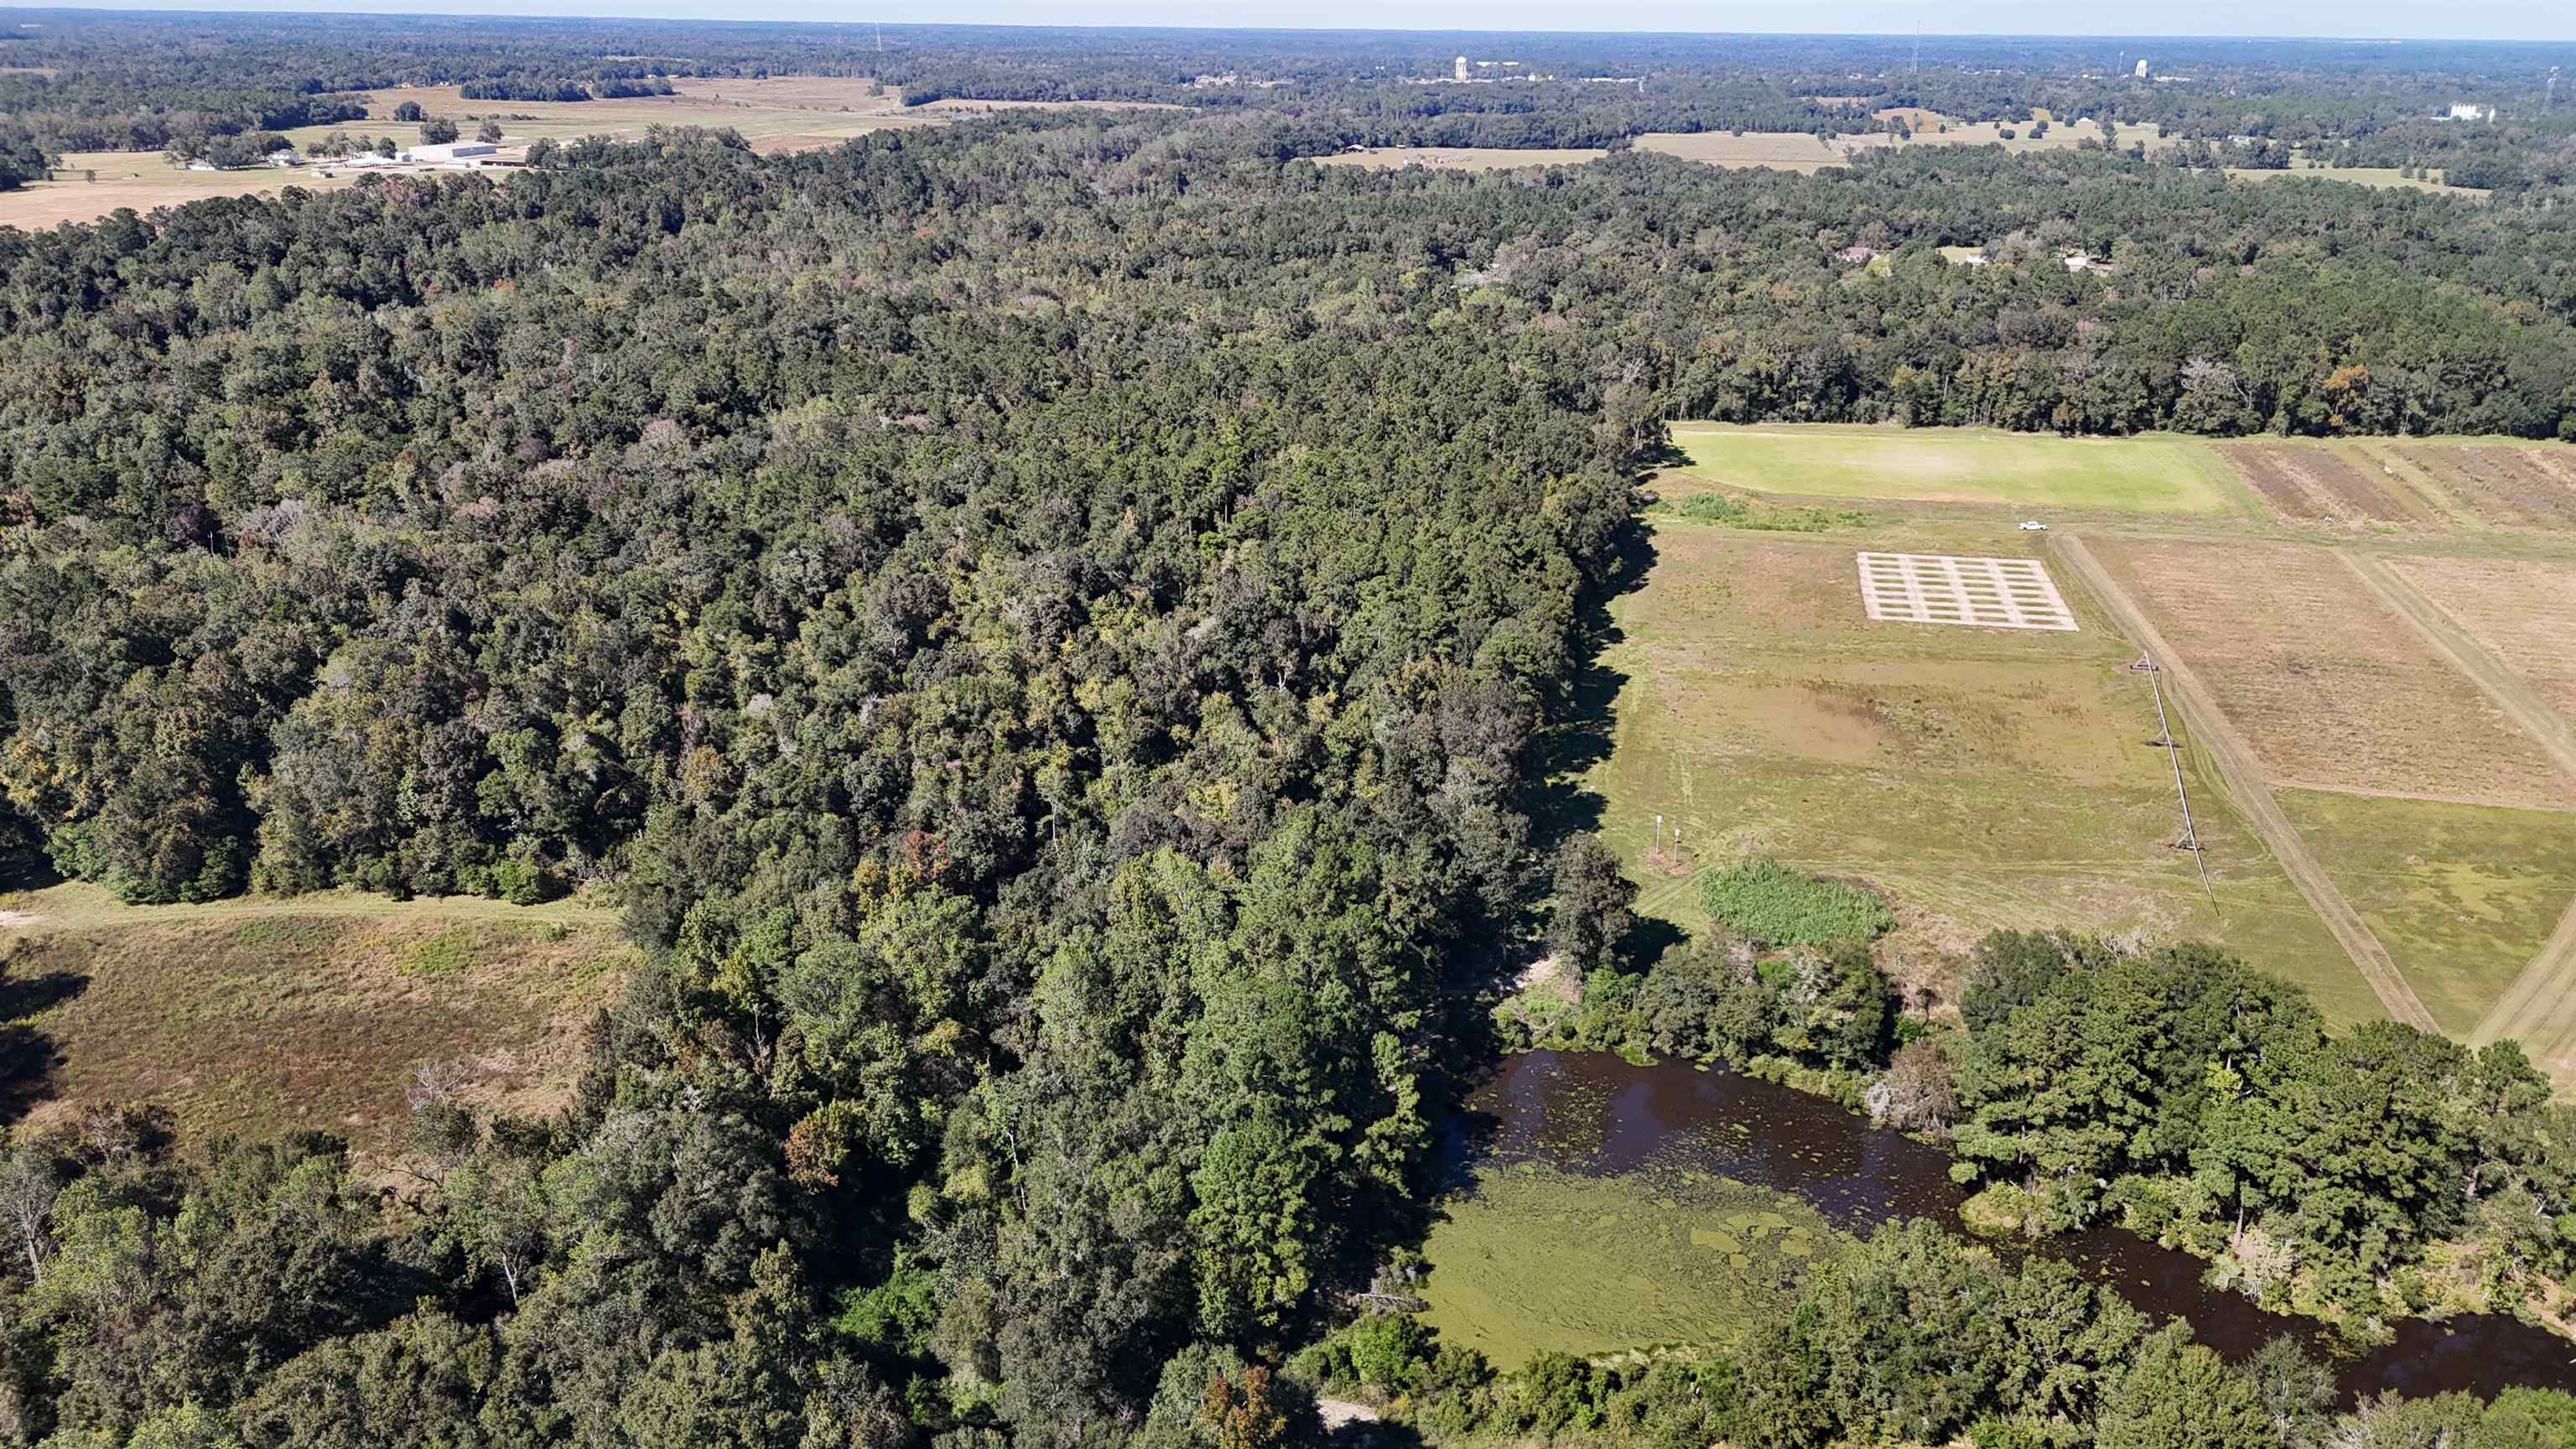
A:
[1765, 900]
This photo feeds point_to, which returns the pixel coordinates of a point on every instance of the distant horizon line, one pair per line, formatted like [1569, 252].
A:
[308, 12]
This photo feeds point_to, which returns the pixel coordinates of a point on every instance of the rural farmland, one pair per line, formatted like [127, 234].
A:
[2400, 720]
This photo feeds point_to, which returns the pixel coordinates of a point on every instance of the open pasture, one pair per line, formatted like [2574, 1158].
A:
[1804, 151]
[801, 108]
[1983, 778]
[139, 181]
[1458, 158]
[1965, 465]
[251, 1017]
[2333, 688]
[2390, 177]
[2523, 611]
[2462, 896]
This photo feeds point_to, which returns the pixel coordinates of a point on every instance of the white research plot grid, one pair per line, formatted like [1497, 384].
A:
[1987, 593]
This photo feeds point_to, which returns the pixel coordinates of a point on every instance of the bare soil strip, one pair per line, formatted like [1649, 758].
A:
[2279, 486]
[2235, 761]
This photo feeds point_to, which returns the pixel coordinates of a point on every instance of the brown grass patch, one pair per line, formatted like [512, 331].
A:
[2333, 688]
[251, 1025]
[2522, 610]
[2313, 482]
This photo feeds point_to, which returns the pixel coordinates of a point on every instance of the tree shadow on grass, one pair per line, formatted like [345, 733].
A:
[28, 1059]
[1587, 727]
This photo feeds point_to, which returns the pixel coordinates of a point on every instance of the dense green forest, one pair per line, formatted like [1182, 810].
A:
[1048, 630]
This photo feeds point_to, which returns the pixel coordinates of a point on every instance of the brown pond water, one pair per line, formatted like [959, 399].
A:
[1593, 1113]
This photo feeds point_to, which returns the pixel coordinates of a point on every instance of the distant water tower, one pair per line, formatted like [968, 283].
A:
[1462, 67]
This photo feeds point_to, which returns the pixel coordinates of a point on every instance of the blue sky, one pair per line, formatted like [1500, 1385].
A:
[2463, 19]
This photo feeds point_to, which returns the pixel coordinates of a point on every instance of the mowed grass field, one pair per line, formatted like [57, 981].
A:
[2461, 895]
[1966, 465]
[256, 1016]
[1984, 778]
[1536, 1258]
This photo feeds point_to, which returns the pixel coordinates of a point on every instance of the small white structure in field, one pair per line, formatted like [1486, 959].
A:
[2033, 525]
[451, 151]
[2463, 111]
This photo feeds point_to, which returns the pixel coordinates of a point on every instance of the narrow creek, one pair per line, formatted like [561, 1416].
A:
[1594, 1113]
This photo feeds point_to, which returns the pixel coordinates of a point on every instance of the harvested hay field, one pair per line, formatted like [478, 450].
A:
[2315, 483]
[2523, 611]
[2461, 895]
[2503, 485]
[1458, 158]
[1965, 465]
[2333, 688]
[1982, 778]
[250, 1018]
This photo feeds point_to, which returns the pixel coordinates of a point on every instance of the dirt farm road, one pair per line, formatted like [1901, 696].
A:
[2539, 1009]
[2235, 761]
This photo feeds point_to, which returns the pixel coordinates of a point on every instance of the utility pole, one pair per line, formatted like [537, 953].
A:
[2173, 752]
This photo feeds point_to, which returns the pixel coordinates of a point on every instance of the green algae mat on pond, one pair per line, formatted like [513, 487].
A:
[1535, 1258]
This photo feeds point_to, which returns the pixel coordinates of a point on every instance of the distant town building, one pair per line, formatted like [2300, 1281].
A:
[1462, 68]
[2141, 71]
[2463, 111]
[1857, 256]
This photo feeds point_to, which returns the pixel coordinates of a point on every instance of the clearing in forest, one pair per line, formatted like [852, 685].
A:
[2332, 686]
[2153, 474]
[1459, 158]
[1982, 778]
[253, 1016]
[1805, 151]
[784, 114]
